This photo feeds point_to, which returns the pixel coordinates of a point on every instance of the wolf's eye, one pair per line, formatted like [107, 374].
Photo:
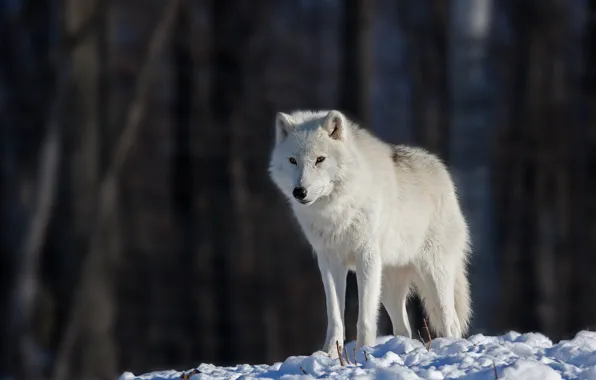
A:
[292, 160]
[320, 159]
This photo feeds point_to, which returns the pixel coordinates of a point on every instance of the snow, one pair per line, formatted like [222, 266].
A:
[510, 356]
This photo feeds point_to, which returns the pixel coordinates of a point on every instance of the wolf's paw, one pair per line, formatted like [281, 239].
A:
[331, 348]
[365, 340]
[332, 353]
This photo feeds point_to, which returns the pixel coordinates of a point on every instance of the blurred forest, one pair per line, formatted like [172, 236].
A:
[139, 227]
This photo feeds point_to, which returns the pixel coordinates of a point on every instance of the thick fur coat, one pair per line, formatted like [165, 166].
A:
[389, 213]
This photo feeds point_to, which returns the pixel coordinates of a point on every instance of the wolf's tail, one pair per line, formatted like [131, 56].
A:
[463, 307]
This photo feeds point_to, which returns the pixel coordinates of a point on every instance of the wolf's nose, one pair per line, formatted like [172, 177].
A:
[299, 193]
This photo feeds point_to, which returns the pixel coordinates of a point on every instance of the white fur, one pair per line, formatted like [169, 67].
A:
[389, 213]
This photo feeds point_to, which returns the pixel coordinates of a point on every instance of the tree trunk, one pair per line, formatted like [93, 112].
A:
[227, 84]
[92, 323]
[585, 308]
[86, 157]
[204, 285]
[89, 161]
[469, 138]
[183, 178]
[357, 60]
[30, 103]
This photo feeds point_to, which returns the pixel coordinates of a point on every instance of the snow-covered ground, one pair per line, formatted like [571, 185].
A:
[511, 356]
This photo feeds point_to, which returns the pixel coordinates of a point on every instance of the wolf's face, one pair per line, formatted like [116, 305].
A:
[310, 155]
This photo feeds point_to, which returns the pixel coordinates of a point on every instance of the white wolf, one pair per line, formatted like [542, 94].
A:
[389, 213]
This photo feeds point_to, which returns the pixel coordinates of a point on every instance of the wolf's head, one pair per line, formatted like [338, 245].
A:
[311, 154]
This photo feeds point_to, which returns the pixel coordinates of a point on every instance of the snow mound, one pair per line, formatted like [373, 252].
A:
[510, 356]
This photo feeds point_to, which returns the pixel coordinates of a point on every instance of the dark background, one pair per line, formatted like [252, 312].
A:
[139, 227]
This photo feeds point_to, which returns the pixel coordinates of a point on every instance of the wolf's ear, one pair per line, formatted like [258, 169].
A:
[335, 125]
[283, 124]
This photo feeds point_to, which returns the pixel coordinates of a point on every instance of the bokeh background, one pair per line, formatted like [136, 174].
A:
[139, 227]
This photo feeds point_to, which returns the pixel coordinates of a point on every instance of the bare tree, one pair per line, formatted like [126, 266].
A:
[94, 320]
[19, 350]
[587, 208]
[470, 142]
[423, 25]
[357, 62]
[85, 160]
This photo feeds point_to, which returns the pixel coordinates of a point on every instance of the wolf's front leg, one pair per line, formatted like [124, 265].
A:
[334, 275]
[368, 275]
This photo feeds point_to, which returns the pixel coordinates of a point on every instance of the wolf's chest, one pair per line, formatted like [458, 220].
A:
[333, 232]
